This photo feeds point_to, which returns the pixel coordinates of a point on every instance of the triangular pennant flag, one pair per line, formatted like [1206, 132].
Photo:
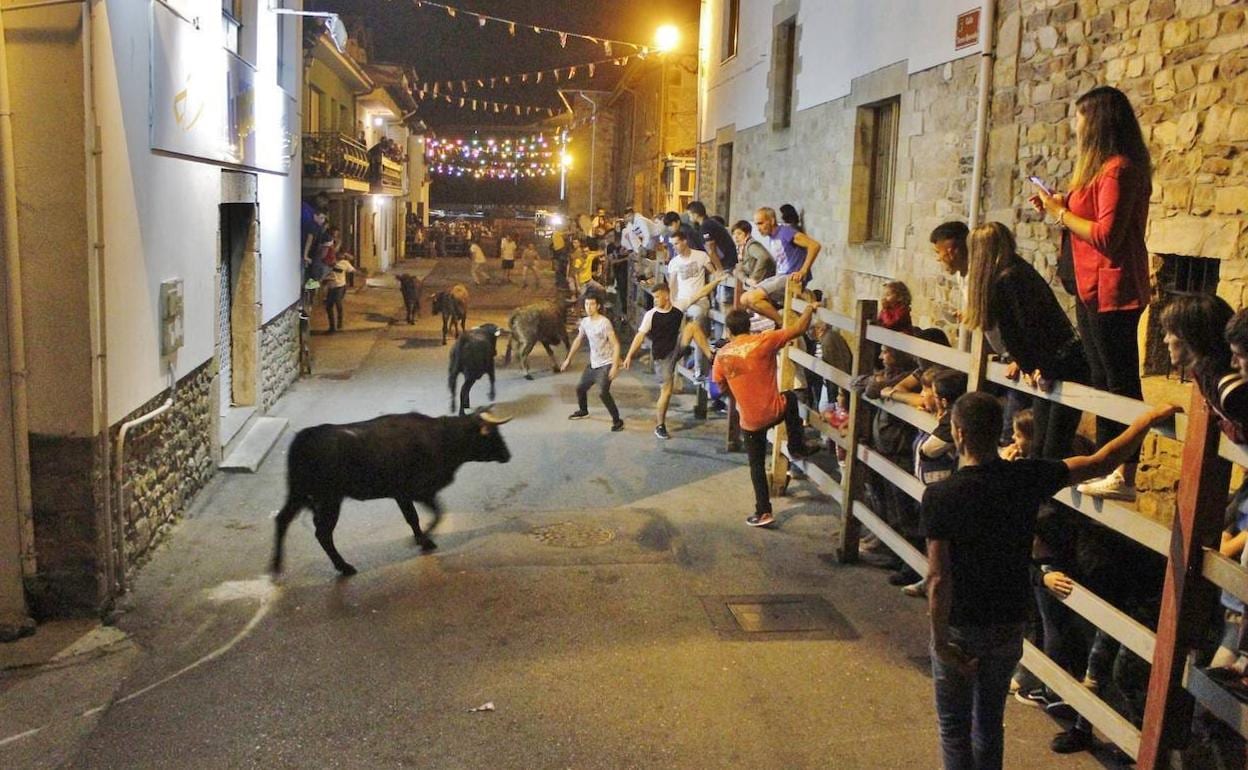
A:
[517, 109]
[539, 77]
[450, 11]
[524, 78]
[474, 105]
[507, 79]
[556, 75]
[591, 69]
[461, 101]
[571, 72]
[563, 39]
[496, 107]
[463, 85]
[606, 47]
[491, 82]
[511, 27]
[480, 84]
[450, 86]
[550, 111]
[480, 20]
[435, 89]
[537, 30]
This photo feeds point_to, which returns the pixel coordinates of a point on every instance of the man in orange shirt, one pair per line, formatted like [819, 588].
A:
[746, 366]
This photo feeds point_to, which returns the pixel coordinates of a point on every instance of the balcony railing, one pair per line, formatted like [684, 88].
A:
[385, 174]
[331, 155]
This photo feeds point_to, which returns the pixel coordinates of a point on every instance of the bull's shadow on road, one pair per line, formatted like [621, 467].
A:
[419, 343]
[528, 405]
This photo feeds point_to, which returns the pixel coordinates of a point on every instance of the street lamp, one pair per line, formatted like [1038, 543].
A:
[666, 38]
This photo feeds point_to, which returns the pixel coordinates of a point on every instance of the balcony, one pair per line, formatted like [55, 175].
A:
[385, 174]
[334, 162]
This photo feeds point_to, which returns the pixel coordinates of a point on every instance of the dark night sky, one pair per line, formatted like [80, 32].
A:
[442, 48]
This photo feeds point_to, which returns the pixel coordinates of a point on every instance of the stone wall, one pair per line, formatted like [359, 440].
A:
[168, 460]
[279, 356]
[812, 168]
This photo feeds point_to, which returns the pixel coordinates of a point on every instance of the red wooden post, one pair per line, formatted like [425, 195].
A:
[1187, 599]
[734, 420]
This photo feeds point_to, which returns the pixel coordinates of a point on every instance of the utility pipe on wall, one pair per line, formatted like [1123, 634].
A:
[986, 60]
[593, 136]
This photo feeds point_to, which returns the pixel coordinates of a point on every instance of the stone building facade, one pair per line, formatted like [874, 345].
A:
[279, 356]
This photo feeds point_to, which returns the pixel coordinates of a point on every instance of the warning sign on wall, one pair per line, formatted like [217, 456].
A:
[968, 29]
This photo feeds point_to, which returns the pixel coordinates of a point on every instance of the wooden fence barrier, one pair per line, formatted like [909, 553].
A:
[1194, 568]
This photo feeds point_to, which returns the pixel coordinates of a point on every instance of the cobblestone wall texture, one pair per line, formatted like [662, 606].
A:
[279, 356]
[168, 460]
[67, 492]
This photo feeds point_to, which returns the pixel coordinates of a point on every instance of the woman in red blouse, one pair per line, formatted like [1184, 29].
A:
[1104, 216]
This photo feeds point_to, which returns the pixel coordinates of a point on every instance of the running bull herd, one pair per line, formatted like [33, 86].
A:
[410, 458]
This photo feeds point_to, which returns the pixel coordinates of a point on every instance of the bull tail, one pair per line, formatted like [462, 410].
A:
[452, 373]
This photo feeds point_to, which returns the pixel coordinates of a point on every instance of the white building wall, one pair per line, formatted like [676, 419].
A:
[160, 213]
[839, 40]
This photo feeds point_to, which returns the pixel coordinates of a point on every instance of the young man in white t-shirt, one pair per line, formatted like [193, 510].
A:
[478, 263]
[604, 362]
[507, 253]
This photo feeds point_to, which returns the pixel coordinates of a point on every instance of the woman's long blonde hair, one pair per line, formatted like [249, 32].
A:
[1110, 128]
[991, 246]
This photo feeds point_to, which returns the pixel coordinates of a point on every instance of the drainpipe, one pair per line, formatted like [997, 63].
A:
[986, 60]
[593, 136]
[96, 301]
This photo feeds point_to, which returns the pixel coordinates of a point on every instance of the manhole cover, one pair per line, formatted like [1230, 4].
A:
[569, 534]
[774, 617]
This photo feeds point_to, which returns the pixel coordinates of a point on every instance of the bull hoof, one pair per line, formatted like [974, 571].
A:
[428, 546]
[528, 376]
[346, 569]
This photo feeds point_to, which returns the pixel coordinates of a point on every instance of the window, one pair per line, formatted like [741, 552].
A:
[231, 23]
[312, 111]
[732, 25]
[784, 61]
[875, 156]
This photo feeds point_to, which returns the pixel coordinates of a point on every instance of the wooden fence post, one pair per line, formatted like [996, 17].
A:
[734, 420]
[853, 476]
[1187, 600]
[788, 372]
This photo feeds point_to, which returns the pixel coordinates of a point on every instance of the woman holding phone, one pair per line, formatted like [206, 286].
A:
[1103, 218]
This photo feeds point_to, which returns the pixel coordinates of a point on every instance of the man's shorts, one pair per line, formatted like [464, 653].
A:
[698, 310]
[665, 368]
[774, 286]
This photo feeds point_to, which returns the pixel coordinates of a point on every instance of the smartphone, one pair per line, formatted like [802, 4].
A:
[1038, 182]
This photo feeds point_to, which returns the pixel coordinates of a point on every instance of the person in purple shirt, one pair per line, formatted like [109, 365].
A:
[795, 253]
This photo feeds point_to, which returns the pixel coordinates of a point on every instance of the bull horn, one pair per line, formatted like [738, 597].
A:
[492, 419]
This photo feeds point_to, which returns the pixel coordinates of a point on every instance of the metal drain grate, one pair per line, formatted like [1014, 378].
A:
[774, 617]
[569, 534]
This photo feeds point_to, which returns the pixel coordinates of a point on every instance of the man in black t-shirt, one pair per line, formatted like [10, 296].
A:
[979, 524]
[716, 238]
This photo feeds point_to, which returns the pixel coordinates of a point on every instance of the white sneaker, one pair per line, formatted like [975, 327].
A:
[918, 588]
[1111, 487]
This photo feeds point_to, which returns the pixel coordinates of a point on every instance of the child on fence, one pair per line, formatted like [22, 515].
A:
[1023, 438]
[894, 310]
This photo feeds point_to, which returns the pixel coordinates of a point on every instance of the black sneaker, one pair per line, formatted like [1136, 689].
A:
[579, 414]
[760, 520]
[661, 432]
[1071, 741]
[617, 426]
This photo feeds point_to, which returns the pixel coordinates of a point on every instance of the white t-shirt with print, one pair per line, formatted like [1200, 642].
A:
[690, 274]
[597, 333]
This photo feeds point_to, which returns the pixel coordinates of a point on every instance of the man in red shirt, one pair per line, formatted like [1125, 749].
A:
[746, 366]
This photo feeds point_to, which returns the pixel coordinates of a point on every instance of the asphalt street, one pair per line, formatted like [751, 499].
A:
[596, 592]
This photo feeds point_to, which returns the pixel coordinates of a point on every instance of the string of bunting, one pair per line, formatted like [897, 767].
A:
[534, 77]
[487, 105]
[495, 171]
[524, 149]
[512, 26]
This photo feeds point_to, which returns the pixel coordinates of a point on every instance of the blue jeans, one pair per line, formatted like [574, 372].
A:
[970, 710]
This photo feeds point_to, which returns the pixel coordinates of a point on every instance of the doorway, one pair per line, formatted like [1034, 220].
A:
[236, 313]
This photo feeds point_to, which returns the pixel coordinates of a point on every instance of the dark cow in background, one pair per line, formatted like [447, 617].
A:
[473, 356]
[407, 457]
[410, 286]
[453, 305]
[544, 322]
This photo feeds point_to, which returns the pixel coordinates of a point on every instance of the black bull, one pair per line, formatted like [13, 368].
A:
[406, 457]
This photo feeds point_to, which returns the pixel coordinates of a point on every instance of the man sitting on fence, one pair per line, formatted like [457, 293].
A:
[979, 524]
[795, 254]
[746, 367]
